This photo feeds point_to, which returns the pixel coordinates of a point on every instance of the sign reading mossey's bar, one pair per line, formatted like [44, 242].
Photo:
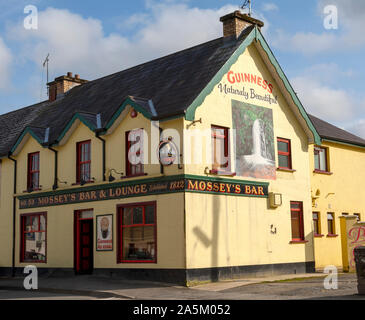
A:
[143, 188]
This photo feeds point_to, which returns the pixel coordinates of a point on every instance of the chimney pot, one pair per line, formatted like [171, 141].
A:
[235, 22]
[69, 74]
[77, 76]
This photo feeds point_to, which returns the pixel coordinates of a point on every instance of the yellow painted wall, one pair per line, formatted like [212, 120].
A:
[60, 219]
[60, 234]
[6, 217]
[231, 231]
[340, 192]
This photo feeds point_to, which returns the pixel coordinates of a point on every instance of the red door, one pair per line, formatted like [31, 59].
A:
[84, 262]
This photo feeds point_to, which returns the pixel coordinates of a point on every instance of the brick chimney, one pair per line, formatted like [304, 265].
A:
[234, 23]
[61, 85]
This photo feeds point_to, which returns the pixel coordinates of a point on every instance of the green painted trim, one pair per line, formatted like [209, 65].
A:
[140, 181]
[70, 123]
[126, 102]
[288, 87]
[190, 112]
[25, 132]
[254, 35]
[231, 194]
[225, 180]
[344, 143]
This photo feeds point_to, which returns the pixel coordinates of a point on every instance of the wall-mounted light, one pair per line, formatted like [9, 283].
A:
[276, 199]
[111, 177]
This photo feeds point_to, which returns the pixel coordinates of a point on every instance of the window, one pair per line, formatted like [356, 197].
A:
[320, 159]
[83, 173]
[297, 225]
[284, 153]
[137, 236]
[220, 148]
[316, 224]
[33, 242]
[33, 171]
[331, 223]
[358, 215]
[134, 152]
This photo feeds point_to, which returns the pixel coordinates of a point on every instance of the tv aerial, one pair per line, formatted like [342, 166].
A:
[247, 5]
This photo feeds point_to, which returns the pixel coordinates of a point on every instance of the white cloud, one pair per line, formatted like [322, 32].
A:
[318, 91]
[269, 6]
[323, 101]
[6, 59]
[357, 128]
[349, 35]
[80, 45]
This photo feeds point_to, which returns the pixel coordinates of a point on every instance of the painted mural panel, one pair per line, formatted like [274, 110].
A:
[255, 149]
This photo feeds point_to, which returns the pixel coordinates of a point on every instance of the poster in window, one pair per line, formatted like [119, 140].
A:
[104, 233]
[255, 150]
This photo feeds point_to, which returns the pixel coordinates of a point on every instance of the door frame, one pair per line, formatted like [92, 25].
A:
[77, 240]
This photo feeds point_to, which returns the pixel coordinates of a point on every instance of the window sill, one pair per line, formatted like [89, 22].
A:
[222, 173]
[285, 169]
[79, 183]
[298, 241]
[33, 190]
[323, 172]
[319, 235]
[332, 235]
[137, 261]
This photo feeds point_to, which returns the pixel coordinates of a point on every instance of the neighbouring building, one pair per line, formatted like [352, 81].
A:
[225, 188]
[337, 173]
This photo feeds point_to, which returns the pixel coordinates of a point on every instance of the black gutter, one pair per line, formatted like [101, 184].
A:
[55, 185]
[97, 135]
[14, 214]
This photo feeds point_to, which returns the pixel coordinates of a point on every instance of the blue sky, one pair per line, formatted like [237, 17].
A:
[95, 38]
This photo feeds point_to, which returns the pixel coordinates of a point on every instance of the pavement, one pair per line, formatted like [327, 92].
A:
[283, 287]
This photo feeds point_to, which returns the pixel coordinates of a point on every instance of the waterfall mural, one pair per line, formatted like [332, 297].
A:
[255, 150]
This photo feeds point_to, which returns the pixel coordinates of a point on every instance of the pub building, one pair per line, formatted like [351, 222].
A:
[224, 188]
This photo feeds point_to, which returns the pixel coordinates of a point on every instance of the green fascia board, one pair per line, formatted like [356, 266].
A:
[127, 102]
[344, 143]
[139, 181]
[190, 112]
[254, 35]
[25, 132]
[288, 87]
[77, 116]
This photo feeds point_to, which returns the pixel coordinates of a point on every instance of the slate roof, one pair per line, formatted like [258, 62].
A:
[331, 132]
[171, 83]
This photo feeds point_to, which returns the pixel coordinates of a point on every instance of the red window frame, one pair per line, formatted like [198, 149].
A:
[317, 151]
[219, 168]
[23, 232]
[80, 162]
[298, 212]
[33, 170]
[331, 228]
[317, 223]
[133, 170]
[121, 227]
[286, 154]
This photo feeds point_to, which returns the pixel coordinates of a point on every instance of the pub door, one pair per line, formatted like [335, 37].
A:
[84, 240]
